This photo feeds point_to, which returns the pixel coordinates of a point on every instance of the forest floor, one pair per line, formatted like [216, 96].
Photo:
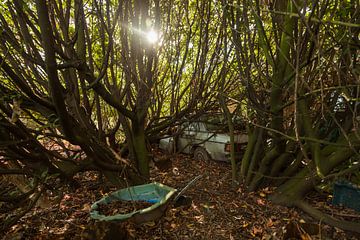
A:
[217, 211]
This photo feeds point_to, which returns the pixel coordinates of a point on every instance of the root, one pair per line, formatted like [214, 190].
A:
[315, 213]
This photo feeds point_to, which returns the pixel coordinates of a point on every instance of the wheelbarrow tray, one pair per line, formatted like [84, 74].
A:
[155, 193]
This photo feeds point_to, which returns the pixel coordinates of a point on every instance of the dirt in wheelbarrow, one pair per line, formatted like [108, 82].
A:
[213, 209]
[121, 207]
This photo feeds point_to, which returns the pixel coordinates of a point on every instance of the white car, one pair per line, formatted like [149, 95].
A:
[206, 139]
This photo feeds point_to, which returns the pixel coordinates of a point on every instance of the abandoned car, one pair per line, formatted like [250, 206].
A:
[206, 139]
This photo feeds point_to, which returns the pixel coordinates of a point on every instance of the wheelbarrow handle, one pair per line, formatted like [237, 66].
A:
[187, 187]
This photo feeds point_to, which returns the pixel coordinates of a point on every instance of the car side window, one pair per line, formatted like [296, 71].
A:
[194, 127]
[202, 127]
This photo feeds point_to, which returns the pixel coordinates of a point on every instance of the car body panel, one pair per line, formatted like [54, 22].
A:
[195, 134]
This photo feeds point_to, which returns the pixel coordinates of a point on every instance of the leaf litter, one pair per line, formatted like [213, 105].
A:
[214, 209]
[122, 207]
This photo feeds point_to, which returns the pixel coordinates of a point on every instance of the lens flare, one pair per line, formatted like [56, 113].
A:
[152, 36]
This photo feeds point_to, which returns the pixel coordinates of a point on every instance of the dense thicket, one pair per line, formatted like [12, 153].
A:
[84, 84]
[302, 80]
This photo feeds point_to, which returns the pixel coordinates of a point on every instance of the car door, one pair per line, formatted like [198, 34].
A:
[187, 138]
[211, 144]
[202, 136]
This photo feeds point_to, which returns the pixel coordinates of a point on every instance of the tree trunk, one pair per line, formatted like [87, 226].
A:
[140, 148]
[246, 159]
[304, 181]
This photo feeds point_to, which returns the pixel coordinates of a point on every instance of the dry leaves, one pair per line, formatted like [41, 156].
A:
[218, 211]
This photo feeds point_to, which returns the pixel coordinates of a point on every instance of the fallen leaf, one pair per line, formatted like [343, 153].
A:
[260, 201]
[305, 236]
[256, 231]
[150, 224]
[270, 223]
[86, 207]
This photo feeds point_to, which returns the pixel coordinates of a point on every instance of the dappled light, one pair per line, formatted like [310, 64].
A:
[149, 119]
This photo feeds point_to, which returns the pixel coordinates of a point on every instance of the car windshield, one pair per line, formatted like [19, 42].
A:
[217, 123]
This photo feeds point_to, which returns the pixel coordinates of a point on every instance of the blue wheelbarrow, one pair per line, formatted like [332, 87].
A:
[158, 195]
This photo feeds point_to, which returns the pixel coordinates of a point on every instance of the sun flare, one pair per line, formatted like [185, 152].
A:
[152, 36]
